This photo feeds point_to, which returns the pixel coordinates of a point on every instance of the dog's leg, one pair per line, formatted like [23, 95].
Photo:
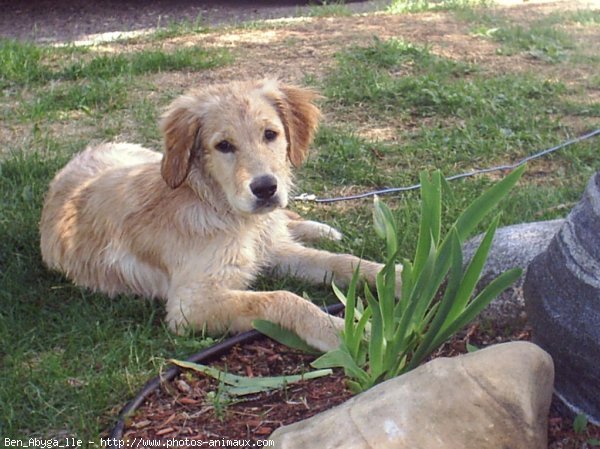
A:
[205, 307]
[320, 266]
[308, 230]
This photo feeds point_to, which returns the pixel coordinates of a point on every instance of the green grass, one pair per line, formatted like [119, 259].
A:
[329, 9]
[67, 79]
[398, 77]
[70, 358]
[144, 62]
[30, 64]
[178, 28]
[540, 42]
[544, 39]
[93, 95]
[67, 355]
[416, 6]
[21, 63]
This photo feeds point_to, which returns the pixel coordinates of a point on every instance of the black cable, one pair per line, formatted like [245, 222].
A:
[313, 198]
[116, 434]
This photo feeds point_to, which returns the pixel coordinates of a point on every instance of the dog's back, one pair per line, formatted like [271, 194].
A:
[75, 242]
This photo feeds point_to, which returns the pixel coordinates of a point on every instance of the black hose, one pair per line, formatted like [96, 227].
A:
[206, 354]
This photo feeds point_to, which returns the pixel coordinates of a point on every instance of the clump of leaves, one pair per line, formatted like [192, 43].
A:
[234, 385]
[385, 337]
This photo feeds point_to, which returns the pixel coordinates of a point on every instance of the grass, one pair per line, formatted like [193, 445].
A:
[329, 9]
[543, 39]
[496, 116]
[417, 6]
[67, 79]
[70, 358]
[178, 28]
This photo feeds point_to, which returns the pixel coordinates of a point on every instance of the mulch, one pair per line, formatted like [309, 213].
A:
[193, 406]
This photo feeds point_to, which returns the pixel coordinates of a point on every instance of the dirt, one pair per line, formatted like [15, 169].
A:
[185, 408]
[295, 49]
[72, 20]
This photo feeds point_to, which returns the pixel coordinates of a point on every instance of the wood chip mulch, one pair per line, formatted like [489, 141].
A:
[193, 407]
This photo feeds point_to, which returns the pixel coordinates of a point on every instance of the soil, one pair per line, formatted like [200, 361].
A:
[185, 408]
[72, 20]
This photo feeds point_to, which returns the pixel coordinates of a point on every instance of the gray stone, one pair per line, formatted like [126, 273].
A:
[513, 247]
[562, 298]
[494, 398]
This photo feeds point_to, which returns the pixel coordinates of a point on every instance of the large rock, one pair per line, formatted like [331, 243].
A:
[562, 297]
[513, 247]
[494, 398]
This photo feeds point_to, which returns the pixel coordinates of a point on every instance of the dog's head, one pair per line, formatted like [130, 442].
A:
[244, 135]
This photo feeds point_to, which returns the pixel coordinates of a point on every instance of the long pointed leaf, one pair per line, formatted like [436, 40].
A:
[376, 345]
[473, 272]
[284, 336]
[488, 201]
[340, 358]
[487, 295]
[405, 324]
[386, 296]
[407, 286]
[249, 382]
[427, 216]
[445, 304]
[360, 332]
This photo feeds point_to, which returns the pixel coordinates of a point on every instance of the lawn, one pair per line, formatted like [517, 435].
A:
[457, 88]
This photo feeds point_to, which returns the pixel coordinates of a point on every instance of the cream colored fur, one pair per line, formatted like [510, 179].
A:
[188, 227]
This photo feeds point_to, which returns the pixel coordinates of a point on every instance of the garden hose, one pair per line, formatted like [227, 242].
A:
[116, 434]
[313, 198]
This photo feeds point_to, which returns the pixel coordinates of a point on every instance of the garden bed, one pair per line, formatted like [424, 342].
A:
[192, 406]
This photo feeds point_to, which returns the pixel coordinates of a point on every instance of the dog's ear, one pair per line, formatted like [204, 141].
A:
[300, 118]
[180, 127]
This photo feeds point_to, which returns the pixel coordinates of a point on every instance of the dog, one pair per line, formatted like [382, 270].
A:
[195, 226]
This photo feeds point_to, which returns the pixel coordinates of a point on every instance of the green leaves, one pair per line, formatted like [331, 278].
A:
[437, 291]
[283, 336]
[383, 336]
[580, 423]
[240, 385]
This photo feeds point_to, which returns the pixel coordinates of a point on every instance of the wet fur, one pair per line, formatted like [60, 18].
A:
[187, 228]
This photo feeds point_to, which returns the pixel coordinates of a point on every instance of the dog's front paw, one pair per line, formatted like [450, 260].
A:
[308, 230]
[328, 336]
[327, 232]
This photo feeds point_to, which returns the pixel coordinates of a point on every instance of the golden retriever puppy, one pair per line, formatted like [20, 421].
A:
[196, 225]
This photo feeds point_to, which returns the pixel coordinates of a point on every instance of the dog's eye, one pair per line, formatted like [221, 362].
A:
[225, 147]
[270, 135]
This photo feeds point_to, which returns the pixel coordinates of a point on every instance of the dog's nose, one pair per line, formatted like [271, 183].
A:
[264, 187]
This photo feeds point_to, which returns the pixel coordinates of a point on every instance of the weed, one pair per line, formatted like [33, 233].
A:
[580, 423]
